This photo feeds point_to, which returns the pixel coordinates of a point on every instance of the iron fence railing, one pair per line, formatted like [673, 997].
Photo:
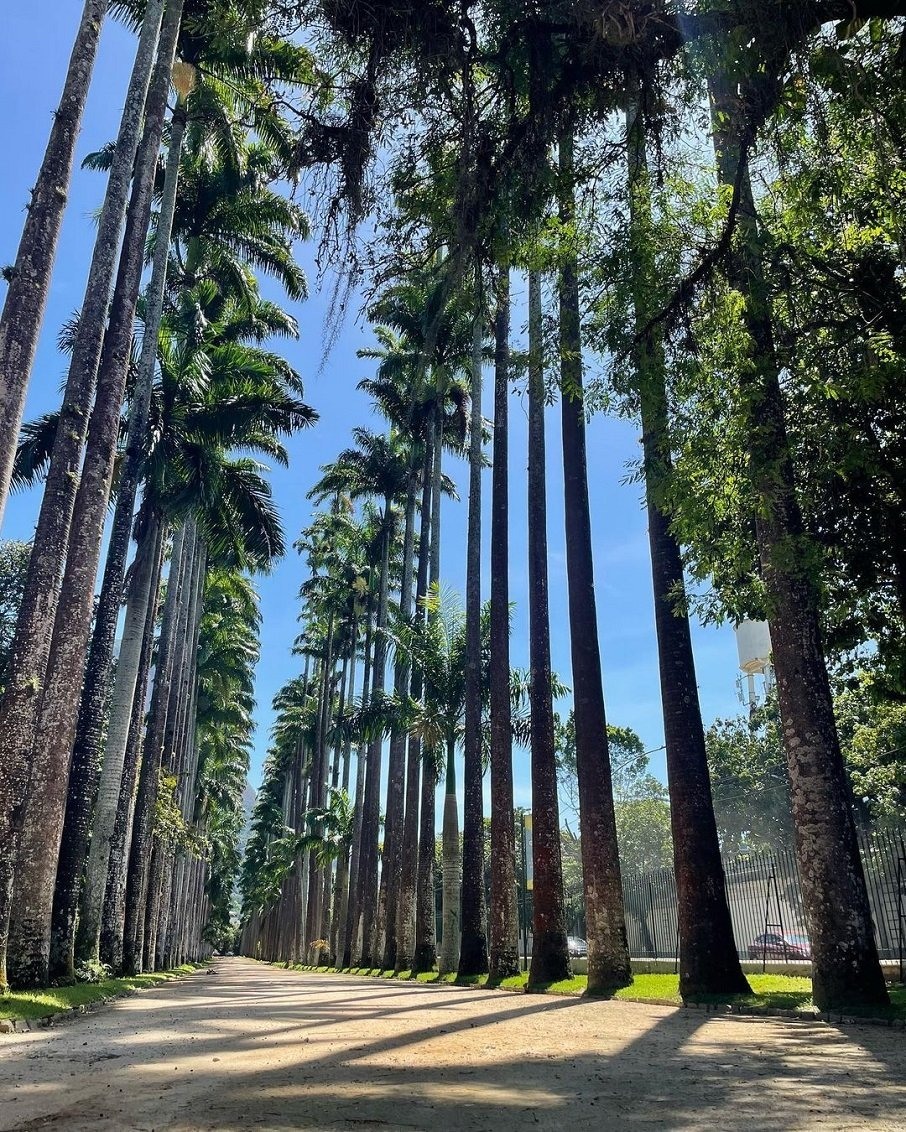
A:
[765, 898]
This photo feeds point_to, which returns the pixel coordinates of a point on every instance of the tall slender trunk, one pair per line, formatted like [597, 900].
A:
[111, 780]
[550, 955]
[319, 790]
[29, 280]
[396, 764]
[368, 864]
[177, 739]
[405, 947]
[608, 947]
[178, 584]
[709, 963]
[34, 626]
[341, 897]
[503, 915]
[845, 967]
[354, 906]
[425, 930]
[42, 815]
[452, 870]
[473, 953]
[114, 914]
[89, 727]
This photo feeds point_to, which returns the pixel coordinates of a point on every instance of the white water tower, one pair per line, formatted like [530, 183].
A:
[753, 643]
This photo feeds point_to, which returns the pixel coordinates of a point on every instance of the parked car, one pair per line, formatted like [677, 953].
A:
[578, 948]
[772, 945]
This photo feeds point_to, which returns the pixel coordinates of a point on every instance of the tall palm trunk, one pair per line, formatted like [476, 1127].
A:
[473, 954]
[353, 906]
[341, 898]
[503, 915]
[29, 280]
[42, 815]
[550, 955]
[114, 914]
[179, 584]
[845, 967]
[177, 742]
[452, 870]
[89, 727]
[368, 864]
[405, 946]
[709, 963]
[396, 764]
[111, 780]
[608, 948]
[31, 645]
[315, 869]
[425, 916]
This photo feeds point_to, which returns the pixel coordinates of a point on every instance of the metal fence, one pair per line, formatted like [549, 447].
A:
[765, 898]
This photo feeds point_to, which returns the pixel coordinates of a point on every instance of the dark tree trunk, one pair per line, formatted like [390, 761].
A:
[114, 911]
[425, 955]
[608, 948]
[451, 865]
[51, 753]
[406, 904]
[550, 954]
[29, 280]
[166, 671]
[117, 343]
[396, 764]
[503, 914]
[709, 963]
[368, 863]
[473, 949]
[353, 908]
[31, 645]
[845, 967]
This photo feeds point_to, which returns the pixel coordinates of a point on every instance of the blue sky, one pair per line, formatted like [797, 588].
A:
[34, 52]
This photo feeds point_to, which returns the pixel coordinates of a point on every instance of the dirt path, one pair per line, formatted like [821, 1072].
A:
[248, 1046]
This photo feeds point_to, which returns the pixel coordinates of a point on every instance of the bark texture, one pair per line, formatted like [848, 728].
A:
[845, 967]
[550, 954]
[608, 948]
[34, 627]
[503, 922]
[29, 283]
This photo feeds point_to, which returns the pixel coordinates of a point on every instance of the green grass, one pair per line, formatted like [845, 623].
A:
[769, 992]
[20, 1005]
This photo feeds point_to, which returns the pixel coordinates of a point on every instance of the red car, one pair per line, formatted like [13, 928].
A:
[772, 945]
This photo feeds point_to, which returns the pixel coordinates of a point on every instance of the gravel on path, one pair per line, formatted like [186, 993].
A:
[243, 1046]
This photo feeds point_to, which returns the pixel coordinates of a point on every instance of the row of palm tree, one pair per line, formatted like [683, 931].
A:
[484, 230]
[475, 194]
[119, 826]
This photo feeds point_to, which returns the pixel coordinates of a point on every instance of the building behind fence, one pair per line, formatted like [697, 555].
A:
[764, 895]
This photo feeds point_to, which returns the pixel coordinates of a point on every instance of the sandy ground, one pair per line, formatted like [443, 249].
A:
[243, 1046]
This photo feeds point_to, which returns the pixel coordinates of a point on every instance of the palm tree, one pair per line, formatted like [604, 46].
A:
[709, 963]
[20, 702]
[846, 969]
[550, 955]
[29, 278]
[473, 957]
[42, 817]
[608, 947]
[437, 646]
[503, 921]
[377, 466]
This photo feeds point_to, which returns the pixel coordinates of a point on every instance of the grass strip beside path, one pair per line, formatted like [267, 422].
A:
[769, 992]
[37, 1004]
